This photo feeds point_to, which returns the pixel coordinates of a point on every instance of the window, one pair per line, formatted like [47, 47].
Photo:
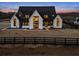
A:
[27, 16]
[14, 22]
[25, 23]
[46, 23]
[35, 21]
[45, 16]
[58, 22]
[35, 18]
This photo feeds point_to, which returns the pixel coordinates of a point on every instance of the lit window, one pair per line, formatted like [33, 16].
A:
[45, 16]
[14, 22]
[46, 23]
[35, 18]
[27, 16]
[58, 22]
[25, 23]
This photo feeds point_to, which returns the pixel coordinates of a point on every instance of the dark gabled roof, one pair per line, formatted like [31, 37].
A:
[42, 10]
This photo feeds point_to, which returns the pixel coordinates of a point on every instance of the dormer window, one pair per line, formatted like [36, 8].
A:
[45, 16]
[27, 16]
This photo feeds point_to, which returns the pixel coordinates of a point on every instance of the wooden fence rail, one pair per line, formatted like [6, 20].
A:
[39, 40]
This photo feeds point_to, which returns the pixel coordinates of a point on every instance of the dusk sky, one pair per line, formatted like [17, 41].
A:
[59, 6]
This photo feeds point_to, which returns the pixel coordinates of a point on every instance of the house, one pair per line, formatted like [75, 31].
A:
[36, 17]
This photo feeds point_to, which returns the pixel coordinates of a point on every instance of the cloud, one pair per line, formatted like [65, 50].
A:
[60, 6]
[7, 10]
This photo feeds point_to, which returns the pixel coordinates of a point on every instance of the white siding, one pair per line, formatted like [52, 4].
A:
[40, 20]
[55, 22]
[12, 22]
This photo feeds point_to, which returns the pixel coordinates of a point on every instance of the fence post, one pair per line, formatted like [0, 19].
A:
[24, 40]
[44, 40]
[65, 41]
[34, 40]
[14, 40]
[55, 41]
[4, 40]
[77, 42]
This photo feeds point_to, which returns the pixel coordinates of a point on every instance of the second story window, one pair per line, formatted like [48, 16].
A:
[26, 16]
[45, 16]
[58, 22]
[25, 23]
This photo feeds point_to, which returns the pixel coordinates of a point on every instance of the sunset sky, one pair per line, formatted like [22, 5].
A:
[61, 7]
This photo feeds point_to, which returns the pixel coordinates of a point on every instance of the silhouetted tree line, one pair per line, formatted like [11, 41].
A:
[6, 15]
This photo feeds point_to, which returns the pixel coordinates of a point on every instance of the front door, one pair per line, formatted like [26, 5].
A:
[35, 22]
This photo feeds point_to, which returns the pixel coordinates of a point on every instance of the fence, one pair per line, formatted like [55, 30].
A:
[39, 40]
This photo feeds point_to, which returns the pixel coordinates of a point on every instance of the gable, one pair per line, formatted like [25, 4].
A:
[58, 17]
[35, 13]
[14, 17]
